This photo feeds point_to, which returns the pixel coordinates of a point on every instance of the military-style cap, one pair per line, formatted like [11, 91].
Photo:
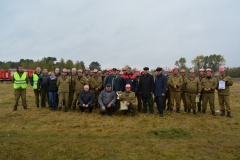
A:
[209, 70]
[145, 68]
[201, 70]
[158, 69]
[183, 71]
[95, 70]
[108, 85]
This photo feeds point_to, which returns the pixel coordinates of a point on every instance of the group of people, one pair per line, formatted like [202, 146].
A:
[114, 89]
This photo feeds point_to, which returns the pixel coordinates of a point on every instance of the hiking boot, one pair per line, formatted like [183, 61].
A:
[178, 110]
[194, 112]
[229, 115]
[185, 109]
[15, 109]
[203, 111]
[223, 113]
[199, 109]
[189, 110]
[213, 113]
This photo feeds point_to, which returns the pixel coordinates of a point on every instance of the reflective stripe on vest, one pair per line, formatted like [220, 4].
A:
[35, 81]
[20, 82]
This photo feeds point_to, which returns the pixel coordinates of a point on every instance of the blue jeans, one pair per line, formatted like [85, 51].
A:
[52, 100]
[159, 101]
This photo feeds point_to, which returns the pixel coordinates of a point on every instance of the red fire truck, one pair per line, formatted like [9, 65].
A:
[6, 75]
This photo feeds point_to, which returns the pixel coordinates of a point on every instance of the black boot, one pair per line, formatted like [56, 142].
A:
[223, 113]
[199, 108]
[213, 113]
[189, 111]
[185, 109]
[15, 108]
[194, 112]
[203, 111]
[133, 114]
[178, 110]
[66, 109]
[229, 115]
[171, 109]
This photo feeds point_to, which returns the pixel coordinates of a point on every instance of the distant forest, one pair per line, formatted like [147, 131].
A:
[212, 61]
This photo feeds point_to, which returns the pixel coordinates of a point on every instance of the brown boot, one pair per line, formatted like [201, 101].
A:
[229, 115]
[213, 113]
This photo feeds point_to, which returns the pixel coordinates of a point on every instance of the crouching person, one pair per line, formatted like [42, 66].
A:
[107, 100]
[129, 98]
[86, 99]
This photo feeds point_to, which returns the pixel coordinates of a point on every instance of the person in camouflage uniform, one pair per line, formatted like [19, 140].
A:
[192, 88]
[175, 83]
[183, 98]
[223, 94]
[95, 83]
[200, 77]
[209, 84]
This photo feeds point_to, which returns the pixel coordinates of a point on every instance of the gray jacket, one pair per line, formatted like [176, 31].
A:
[106, 98]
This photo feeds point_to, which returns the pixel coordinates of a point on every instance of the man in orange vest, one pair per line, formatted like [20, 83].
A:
[20, 81]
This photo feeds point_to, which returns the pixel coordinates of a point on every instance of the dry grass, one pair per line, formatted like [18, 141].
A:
[43, 134]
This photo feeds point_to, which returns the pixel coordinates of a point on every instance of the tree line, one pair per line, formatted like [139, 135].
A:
[213, 61]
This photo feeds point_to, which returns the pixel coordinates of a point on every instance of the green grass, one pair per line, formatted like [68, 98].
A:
[43, 134]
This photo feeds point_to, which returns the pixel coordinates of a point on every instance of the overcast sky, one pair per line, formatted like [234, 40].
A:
[118, 32]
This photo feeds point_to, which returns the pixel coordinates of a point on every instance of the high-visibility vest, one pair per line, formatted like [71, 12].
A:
[20, 81]
[35, 81]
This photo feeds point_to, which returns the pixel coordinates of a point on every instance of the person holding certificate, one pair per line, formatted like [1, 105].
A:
[128, 101]
[224, 82]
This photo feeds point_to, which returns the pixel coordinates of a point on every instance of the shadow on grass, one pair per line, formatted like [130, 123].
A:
[175, 133]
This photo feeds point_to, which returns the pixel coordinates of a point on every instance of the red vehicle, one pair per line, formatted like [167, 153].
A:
[7, 75]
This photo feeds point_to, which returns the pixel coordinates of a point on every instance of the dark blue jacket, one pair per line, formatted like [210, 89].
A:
[117, 84]
[130, 79]
[160, 85]
[85, 97]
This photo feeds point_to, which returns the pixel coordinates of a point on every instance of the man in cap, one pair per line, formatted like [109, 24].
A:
[34, 84]
[20, 81]
[192, 88]
[107, 100]
[86, 99]
[166, 98]
[175, 83]
[200, 76]
[139, 97]
[129, 98]
[78, 84]
[116, 83]
[183, 74]
[160, 88]
[146, 88]
[224, 92]
[95, 83]
[63, 83]
[209, 84]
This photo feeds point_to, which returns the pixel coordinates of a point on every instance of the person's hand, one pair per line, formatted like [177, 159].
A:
[96, 89]
[175, 86]
[127, 103]
[163, 94]
[109, 105]
[86, 105]
[103, 108]
[199, 94]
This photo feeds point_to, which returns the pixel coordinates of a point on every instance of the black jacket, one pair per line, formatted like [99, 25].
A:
[42, 81]
[146, 85]
[85, 97]
[52, 84]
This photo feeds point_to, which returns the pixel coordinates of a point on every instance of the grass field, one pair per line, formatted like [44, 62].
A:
[44, 134]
